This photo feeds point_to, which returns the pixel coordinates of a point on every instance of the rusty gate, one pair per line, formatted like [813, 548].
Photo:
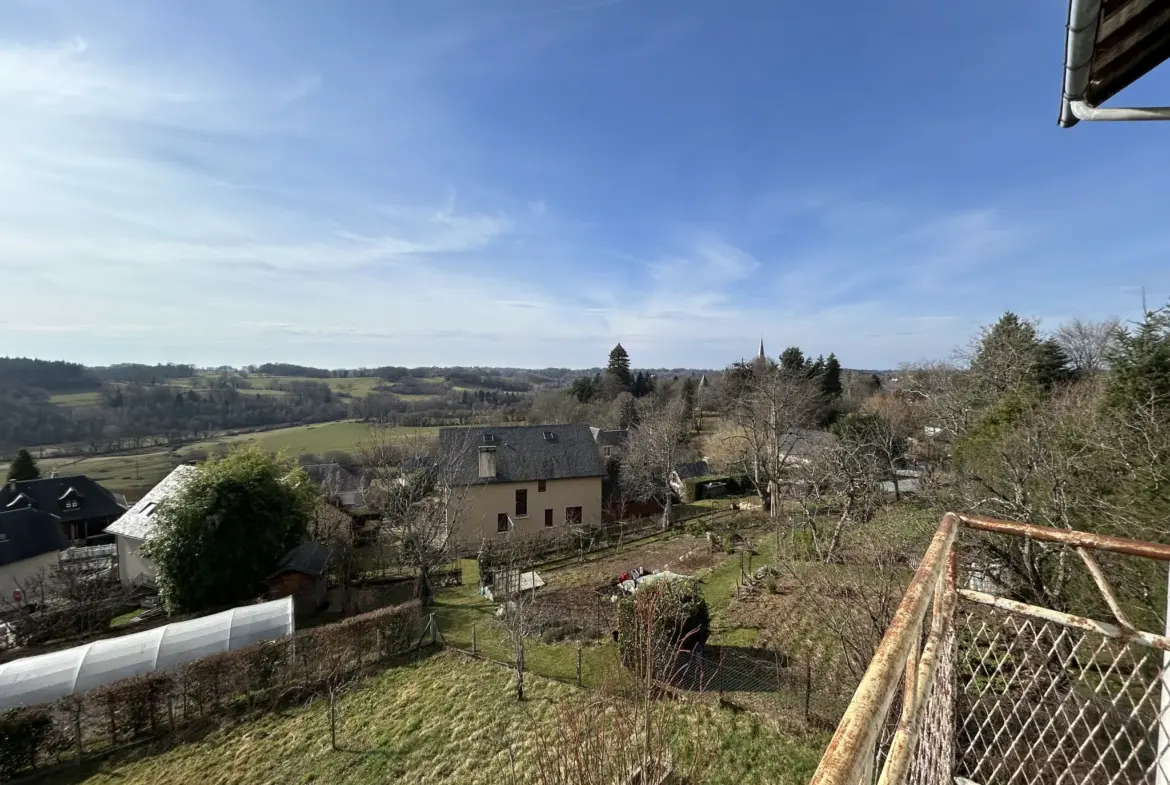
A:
[972, 688]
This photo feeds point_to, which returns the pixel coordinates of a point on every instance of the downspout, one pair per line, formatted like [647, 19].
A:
[1080, 42]
[1084, 17]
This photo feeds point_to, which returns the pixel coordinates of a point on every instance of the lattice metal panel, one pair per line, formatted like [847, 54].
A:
[1038, 703]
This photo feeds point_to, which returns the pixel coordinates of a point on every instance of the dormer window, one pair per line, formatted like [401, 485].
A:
[72, 504]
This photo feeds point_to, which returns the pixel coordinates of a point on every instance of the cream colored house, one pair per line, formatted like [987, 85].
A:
[136, 525]
[529, 479]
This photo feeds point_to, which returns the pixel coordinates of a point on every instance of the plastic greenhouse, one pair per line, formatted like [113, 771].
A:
[47, 677]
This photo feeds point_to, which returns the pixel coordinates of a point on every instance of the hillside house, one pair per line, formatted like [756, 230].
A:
[338, 484]
[83, 506]
[31, 541]
[302, 575]
[610, 443]
[530, 479]
[136, 525]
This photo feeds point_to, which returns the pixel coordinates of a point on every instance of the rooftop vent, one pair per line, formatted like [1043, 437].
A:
[489, 438]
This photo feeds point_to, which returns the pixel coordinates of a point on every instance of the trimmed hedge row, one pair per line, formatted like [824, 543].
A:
[218, 687]
[736, 484]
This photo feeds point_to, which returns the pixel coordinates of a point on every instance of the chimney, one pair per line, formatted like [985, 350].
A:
[487, 462]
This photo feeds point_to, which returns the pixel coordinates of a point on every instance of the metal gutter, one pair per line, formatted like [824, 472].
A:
[1080, 42]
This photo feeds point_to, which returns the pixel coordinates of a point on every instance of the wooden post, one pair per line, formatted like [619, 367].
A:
[77, 729]
[579, 684]
[473, 646]
[432, 626]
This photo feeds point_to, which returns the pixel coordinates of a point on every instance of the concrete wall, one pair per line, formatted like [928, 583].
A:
[14, 576]
[131, 563]
[482, 504]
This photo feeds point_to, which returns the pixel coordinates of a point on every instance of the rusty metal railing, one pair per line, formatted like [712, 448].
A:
[969, 687]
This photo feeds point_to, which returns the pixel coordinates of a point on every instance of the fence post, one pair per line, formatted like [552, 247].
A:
[579, 684]
[432, 626]
[473, 641]
[1162, 756]
[77, 728]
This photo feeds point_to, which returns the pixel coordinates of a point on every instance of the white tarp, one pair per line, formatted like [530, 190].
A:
[47, 677]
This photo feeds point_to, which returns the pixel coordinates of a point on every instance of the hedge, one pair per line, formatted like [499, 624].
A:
[674, 615]
[736, 484]
[257, 677]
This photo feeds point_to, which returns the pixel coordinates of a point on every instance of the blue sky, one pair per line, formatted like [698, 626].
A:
[527, 182]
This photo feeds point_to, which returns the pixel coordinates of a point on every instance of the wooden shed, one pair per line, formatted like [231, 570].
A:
[302, 574]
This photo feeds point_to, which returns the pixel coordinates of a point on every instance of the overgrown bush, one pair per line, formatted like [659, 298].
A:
[661, 621]
[22, 733]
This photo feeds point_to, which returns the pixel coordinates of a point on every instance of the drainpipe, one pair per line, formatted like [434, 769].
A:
[1084, 17]
[1080, 42]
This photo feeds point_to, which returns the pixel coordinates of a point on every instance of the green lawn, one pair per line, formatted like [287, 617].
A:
[133, 475]
[443, 719]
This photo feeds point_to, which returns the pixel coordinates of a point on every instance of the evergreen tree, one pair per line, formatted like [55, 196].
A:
[875, 384]
[23, 468]
[619, 366]
[643, 384]
[1140, 364]
[814, 369]
[629, 417]
[792, 360]
[1006, 356]
[831, 378]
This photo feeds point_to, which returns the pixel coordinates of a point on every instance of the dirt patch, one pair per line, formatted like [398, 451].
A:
[581, 594]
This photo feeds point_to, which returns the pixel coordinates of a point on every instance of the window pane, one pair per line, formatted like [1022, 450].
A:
[548, 519]
[522, 501]
[572, 515]
[540, 486]
[502, 522]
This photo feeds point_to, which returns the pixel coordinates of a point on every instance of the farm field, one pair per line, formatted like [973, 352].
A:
[133, 475]
[443, 719]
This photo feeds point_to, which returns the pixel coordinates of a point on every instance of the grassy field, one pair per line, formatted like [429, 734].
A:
[443, 719]
[134, 474]
[76, 399]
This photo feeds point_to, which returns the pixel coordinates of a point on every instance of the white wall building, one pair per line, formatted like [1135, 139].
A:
[135, 527]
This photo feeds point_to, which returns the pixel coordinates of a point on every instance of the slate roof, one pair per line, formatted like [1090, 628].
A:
[310, 558]
[338, 477]
[138, 522]
[523, 454]
[49, 494]
[614, 438]
[27, 533]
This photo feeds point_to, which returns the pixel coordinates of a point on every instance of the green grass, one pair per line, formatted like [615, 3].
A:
[358, 387]
[133, 475]
[443, 719]
[77, 399]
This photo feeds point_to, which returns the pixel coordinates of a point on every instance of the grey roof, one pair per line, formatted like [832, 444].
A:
[138, 522]
[49, 494]
[612, 438]
[523, 453]
[27, 533]
[335, 475]
[310, 558]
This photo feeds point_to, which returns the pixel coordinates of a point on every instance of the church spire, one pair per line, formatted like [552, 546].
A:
[762, 355]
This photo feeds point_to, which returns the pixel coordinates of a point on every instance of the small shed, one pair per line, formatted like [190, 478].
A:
[301, 575]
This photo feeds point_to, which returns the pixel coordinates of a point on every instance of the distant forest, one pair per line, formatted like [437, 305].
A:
[135, 405]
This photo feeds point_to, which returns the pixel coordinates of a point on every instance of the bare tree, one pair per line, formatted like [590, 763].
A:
[770, 412]
[838, 487]
[1088, 343]
[419, 491]
[654, 451]
[61, 601]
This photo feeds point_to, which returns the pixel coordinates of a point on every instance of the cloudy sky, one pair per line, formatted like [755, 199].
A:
[526, 182]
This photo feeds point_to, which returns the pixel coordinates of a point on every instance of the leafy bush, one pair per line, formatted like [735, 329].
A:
[22, 733]
[674, 615]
